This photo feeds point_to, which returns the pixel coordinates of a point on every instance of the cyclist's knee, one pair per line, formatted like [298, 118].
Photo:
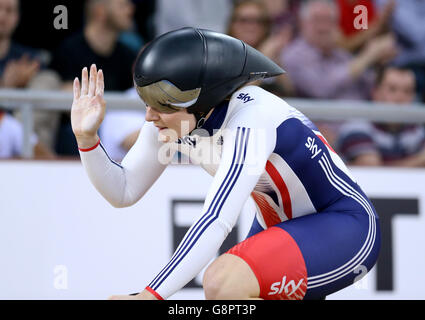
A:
[214, 280]
[228, 278]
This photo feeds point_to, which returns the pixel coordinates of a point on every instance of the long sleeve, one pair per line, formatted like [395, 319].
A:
[124, 184]
[243, 160]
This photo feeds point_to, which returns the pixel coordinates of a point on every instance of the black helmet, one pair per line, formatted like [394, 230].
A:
[196, 69]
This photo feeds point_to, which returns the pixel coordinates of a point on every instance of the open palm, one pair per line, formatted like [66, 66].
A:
[88, 106]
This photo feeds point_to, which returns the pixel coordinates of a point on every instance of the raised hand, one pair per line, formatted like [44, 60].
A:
[18, 73]
[383, 48]
[88, 107]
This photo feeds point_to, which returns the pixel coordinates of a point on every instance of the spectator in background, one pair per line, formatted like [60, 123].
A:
[18, 64]
[407, 22]
[45, 122]
[12, 139]
[353, 38]
[370, 144]
[282, 13]
[98, 44]
[105, 21]
[206, 14]
[320, 69]
[251, 23]
[19, 68]
[11, 136]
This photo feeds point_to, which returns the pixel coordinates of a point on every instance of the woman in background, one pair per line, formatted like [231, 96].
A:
[251, 22]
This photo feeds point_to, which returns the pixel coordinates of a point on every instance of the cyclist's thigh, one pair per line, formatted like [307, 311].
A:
[311, 256]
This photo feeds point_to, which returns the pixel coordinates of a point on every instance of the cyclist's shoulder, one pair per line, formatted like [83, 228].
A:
[251, 95]
[257, 107]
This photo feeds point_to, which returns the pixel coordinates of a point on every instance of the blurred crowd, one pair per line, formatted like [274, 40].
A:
[370, 50]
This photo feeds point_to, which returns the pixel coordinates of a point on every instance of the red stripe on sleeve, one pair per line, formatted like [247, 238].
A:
[156, 294]
[89, 149]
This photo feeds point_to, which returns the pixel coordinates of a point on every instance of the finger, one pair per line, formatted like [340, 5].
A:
[84, 81]
[76, 88]
[100, 85]
[92, 81]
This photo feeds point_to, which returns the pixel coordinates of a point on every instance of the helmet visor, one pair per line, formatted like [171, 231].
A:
[165, 97]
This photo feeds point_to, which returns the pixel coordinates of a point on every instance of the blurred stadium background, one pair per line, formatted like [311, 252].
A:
[355, 67]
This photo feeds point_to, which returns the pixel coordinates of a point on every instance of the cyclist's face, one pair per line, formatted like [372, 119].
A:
[171, 126]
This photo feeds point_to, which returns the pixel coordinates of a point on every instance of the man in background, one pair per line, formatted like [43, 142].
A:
[319, 69]
[97, 43]
[375, 144]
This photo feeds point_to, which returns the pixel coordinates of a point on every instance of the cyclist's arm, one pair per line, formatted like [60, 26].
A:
[243, 160]
[124, 184]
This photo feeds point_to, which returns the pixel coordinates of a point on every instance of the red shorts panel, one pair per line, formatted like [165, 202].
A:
[277, 262]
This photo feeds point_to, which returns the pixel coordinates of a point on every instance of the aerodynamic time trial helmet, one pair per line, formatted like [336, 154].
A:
[196, 69]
